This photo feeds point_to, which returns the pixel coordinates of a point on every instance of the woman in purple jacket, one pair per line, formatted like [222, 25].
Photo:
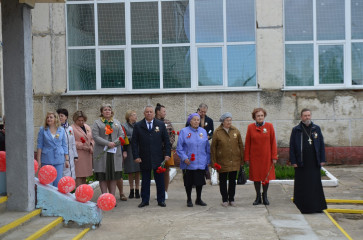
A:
[193, 150]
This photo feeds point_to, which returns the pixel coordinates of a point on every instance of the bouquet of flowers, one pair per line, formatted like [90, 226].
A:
[161, 168]
[266, 181]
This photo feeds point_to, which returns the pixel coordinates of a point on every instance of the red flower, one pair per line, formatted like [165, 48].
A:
[160, 169]
[217, 166]
[83, 140]
[122, 141]
[265, 182]
[173, 132]
[192, 157]
[177, 133]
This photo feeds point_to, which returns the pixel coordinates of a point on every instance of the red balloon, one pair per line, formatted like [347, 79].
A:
[84, 193]
[106, 201]
[47, 174]
[35, 166]
[2, 161]
[66, 184]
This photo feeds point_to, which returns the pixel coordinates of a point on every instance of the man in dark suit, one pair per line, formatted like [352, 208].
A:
[150, 141]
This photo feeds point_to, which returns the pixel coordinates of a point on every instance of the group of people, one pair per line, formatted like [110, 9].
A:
[110, 148]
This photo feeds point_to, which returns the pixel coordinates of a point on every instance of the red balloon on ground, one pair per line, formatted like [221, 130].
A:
[2, 161]
[106, 201]
[47, 174]
[84, 193]
[66, 184]
[35, 166]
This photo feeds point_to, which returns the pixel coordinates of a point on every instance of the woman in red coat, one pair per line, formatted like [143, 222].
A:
[261, 153]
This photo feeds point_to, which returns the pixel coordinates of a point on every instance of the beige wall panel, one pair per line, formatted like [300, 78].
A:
[269, 13]
[91, 105]
[242, 127]
[348, 107]
[336, 133]
[270, 66]
[40, 18]
[69, 103]
[59, 64]
[174, 104]
[42, 76]
[240, 104]
[213, 100]
[320, 103]
[130, 102]
[58, 18]
[278, 105]
[283, 131]
[357, 132]
[38, 111]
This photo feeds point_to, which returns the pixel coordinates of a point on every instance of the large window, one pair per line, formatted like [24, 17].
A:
[161, 45]
[323, 43]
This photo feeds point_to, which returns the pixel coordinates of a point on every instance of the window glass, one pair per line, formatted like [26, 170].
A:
[80, 22]
[111, 24]
[145, 68]
[240, 20]
[357, 19]
[175, 26]
[299, 65]
[298, 20]
[81, 69]
[208, 21]
[176, 67]
[357, 63]
[210, 72]
[330, 19]
[331, 64]
[112, 69]
[144, 23]
[241, 66]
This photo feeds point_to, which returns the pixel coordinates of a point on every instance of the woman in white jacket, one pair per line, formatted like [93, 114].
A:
[72, 150]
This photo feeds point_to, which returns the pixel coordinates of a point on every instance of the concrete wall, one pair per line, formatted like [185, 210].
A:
[339, 113]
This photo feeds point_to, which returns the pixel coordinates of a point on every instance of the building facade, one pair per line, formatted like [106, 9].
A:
[233, 55]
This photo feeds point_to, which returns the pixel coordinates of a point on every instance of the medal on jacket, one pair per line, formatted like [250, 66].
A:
[315, 135]
[205, 124]
[57, 136]
[156, 129]
[264, 130]
[235, 135]
[201, 135]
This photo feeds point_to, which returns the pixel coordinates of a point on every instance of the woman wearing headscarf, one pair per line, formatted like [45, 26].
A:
[193, 150]
[261, 153]
[227, 151]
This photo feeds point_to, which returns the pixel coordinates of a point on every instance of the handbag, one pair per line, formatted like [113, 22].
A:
[241, 179]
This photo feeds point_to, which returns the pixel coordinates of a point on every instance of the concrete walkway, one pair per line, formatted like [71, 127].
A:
[279, 220]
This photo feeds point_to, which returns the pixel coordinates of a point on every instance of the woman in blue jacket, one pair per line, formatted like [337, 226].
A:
[52, 145]
[193, 150]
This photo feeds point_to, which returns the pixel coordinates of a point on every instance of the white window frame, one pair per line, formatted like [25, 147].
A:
[128, 55]
[347, 54]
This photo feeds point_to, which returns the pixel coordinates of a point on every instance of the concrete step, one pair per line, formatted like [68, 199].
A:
[31, 227]
[66, 233]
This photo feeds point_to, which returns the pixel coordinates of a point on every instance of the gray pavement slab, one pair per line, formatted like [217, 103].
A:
[280, 220]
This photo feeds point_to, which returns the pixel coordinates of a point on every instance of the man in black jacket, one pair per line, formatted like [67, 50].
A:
[150, 141]
[205, 121]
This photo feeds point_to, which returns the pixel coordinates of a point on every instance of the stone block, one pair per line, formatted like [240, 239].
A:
[270, 60]
[356, 132]
[42, 75]
[58, 61]
[129, 102]
[335, 132]
[174, 104]
[347, 107]
[38, 111]
[269, 13]
[320, 103]
[213, 100]
[283, 131]
[58, 18]
[41, 19]
[240, 104]
[278, 105]
[54, 203]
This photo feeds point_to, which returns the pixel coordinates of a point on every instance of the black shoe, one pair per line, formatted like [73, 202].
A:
[162, 204]
[189, 204]
[264, 198]
[143, 204]
[137, 194]
[258, 199]
[132, 194]
[200, 203]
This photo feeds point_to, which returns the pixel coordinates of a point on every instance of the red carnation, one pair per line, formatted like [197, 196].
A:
[265, 182]
[173, 132]
[193, 155]
[122, 141]
[177, 133]
[217, 166]
[83, 140]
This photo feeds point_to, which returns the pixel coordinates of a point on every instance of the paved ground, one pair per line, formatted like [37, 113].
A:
[279, 220]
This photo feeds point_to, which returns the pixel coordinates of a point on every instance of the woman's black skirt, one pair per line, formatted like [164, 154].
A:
[193, 177]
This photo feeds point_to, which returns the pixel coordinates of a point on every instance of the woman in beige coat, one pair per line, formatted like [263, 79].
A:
[107, 166]
[84, 145]
[227, 151]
